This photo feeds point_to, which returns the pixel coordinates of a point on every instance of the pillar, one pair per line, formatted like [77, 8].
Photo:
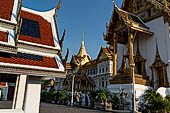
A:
[164, 76]
[19, 92]
[152, 81]
[32, 96]
[143, 69]
[114, 54]
[131, 59]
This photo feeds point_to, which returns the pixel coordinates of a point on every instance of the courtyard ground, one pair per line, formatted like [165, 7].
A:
[54, 108]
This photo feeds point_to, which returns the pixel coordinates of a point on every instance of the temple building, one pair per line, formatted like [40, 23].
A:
[90, 74]
[138, 33]
[74, 70]
[29, 50]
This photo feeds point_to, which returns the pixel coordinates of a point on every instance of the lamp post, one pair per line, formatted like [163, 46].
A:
[72, 101]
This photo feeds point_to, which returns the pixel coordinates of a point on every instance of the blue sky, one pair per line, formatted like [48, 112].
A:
[78, 16]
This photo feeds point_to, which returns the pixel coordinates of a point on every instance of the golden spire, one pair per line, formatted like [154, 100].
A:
[138, 56]
[83, 36]
[123, 66]
[157, 57]
[82, 50]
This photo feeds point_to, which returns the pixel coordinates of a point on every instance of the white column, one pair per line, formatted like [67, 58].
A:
[19, 92]
[32, 97]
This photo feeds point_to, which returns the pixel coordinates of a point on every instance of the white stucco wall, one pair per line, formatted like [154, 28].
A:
[161, 33]
[27, 95]
[32, 96]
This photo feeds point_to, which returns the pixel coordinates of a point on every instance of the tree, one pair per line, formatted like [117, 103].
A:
[154, 102]
[167, 100]
[104, 96]
[63, 97]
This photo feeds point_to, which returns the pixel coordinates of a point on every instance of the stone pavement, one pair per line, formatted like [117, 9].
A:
[54, 108]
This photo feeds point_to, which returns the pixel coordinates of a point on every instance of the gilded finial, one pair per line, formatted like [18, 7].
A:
[114, 2]
[58, 7]
[157, 51]
[83, 37]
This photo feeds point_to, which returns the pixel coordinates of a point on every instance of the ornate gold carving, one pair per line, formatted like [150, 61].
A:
[123, 68]
[162, 5]
[161, 70]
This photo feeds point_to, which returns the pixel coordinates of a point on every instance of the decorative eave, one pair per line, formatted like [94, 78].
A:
[131, 6]
[161, 4]
[8, 48]
[7, 24]
[129, 21]
[30, 71]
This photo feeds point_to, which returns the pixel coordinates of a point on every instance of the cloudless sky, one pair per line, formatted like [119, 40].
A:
[78, 16]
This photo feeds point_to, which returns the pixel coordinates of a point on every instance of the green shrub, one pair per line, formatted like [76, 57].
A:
[155, 103]
[63, 97]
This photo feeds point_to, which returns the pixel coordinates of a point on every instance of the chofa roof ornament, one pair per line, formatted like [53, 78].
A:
[58, 7]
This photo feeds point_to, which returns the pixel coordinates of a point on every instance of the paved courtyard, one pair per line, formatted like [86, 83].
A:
[54, 108]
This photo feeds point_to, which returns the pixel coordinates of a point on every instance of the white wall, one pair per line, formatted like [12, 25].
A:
[32, 95]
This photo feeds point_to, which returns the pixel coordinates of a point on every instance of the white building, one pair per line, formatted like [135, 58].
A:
[29, 50]
[139, 36]
[100, 69]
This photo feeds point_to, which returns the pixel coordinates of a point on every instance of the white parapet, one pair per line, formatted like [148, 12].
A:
[163, 91]
[139, 91]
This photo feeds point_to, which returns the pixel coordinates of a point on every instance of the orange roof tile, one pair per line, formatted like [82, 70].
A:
[28, 59]
[3, 36]
[46, 37]
[6, 9]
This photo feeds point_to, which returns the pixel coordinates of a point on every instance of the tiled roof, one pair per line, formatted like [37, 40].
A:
[28, 59]
[68, 64]
[46, 37]
[6, 9]
[108, 52]
[3, 36]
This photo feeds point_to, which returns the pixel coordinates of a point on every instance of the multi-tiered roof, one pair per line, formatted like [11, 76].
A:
[28, 40]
